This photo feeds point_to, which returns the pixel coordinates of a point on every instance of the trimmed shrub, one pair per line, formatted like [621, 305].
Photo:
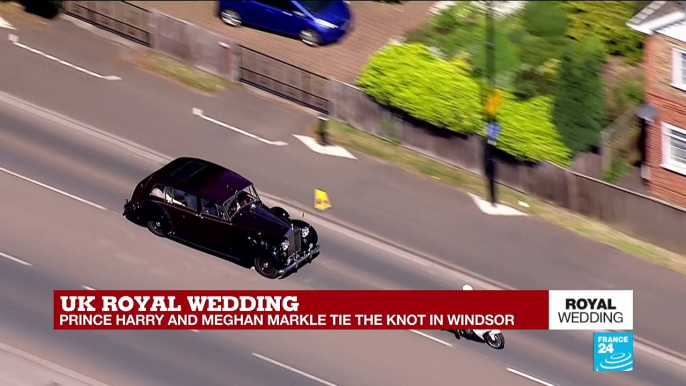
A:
[608, 20]
[410, 78]
[443, 93]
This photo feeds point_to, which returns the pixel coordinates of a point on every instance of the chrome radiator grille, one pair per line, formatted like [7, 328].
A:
[294, 241]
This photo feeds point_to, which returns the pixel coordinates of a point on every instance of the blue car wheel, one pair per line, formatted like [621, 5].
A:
[310, 37]
[231, 18]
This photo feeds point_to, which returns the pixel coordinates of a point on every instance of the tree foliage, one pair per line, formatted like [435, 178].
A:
[607, 19]
[579, 106]
[444, 94]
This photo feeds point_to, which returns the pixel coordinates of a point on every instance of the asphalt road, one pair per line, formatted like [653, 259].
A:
[373, 196]
[157, 113]
[70, 244]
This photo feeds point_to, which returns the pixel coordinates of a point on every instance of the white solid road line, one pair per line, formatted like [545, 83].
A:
[88, 288]
[430, 262]
[432, 338]
[12, 258]
[304, 374]
[15, 40]
[53, 189]
[200, 113]
[530, 377]
[52, 366]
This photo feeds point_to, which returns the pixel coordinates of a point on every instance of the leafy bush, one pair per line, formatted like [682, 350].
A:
[506, 56]
[608, 20]
[536, 50]
[545, 19]
[443, 93]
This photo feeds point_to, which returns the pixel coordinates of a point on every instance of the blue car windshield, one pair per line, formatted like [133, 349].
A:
[315, 7]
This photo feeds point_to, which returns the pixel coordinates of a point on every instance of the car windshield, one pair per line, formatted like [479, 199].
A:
[241, 199]
[315, 7]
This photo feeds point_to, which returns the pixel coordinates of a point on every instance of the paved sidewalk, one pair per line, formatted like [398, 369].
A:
[375, 24]
[18, 368]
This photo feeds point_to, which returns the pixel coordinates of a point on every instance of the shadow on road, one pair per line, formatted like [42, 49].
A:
[247, 264]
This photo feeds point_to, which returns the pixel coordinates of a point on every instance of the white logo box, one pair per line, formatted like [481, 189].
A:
[593, 317]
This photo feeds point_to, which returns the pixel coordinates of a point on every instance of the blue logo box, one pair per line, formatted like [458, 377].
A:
[613, 351]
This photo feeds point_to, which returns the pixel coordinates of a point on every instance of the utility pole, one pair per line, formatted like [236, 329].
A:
[491, 105]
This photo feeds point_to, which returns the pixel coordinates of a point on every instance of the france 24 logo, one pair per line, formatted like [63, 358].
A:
[613, 351]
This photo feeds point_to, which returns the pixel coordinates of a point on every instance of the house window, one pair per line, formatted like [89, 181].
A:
[679, 69]
[674, 148]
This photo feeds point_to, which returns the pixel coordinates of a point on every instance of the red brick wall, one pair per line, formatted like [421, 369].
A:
[671, 105]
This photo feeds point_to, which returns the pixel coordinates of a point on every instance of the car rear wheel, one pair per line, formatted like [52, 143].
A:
[231, 18]
[310, 38]
[266, 267]
[158, 227]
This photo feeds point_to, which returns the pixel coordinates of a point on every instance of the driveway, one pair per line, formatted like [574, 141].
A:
[375, 24]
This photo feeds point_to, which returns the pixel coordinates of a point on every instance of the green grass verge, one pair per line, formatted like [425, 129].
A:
[181, 72]
[350, 137]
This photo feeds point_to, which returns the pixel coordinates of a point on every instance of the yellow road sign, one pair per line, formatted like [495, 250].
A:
[493, 102]
[321, 200]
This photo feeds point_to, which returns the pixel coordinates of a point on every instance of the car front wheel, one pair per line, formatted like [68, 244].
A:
[310, 38]
[231, 18]
[266, 267]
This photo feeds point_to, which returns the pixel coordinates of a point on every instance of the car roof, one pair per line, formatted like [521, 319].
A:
[204, 178]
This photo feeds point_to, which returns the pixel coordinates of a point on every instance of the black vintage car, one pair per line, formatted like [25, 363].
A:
[212, 207]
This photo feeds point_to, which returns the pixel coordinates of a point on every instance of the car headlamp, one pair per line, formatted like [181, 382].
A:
[326, 24]
[284, 245]
[305, 231]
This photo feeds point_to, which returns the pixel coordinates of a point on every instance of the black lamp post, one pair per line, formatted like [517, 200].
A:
[492, 127]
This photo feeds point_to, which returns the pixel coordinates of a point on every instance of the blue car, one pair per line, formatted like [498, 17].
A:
[313, 22]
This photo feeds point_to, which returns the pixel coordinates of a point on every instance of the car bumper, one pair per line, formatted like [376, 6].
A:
[303, 258]
[330, 36]
[128, 208]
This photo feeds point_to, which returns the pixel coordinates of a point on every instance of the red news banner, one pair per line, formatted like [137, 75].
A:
[311, 310]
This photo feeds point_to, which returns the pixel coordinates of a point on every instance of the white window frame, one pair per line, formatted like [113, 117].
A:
[667, 161]
[678, 69]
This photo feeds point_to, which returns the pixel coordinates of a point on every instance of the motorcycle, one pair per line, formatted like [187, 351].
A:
[493, 338]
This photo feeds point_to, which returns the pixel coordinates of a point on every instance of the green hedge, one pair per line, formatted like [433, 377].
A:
[444, 94]
[607, 19]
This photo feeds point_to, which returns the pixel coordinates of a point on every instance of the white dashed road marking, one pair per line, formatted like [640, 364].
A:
[432, 338]
[15, 40]
[335, 151]
[304, 374]
[529, 377]
[200, 113]
[53, 189]
[12, 258]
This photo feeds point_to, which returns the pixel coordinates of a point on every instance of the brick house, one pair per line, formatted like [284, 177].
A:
[664, 167]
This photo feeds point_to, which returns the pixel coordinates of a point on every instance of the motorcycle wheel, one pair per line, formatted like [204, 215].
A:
[497, 341]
